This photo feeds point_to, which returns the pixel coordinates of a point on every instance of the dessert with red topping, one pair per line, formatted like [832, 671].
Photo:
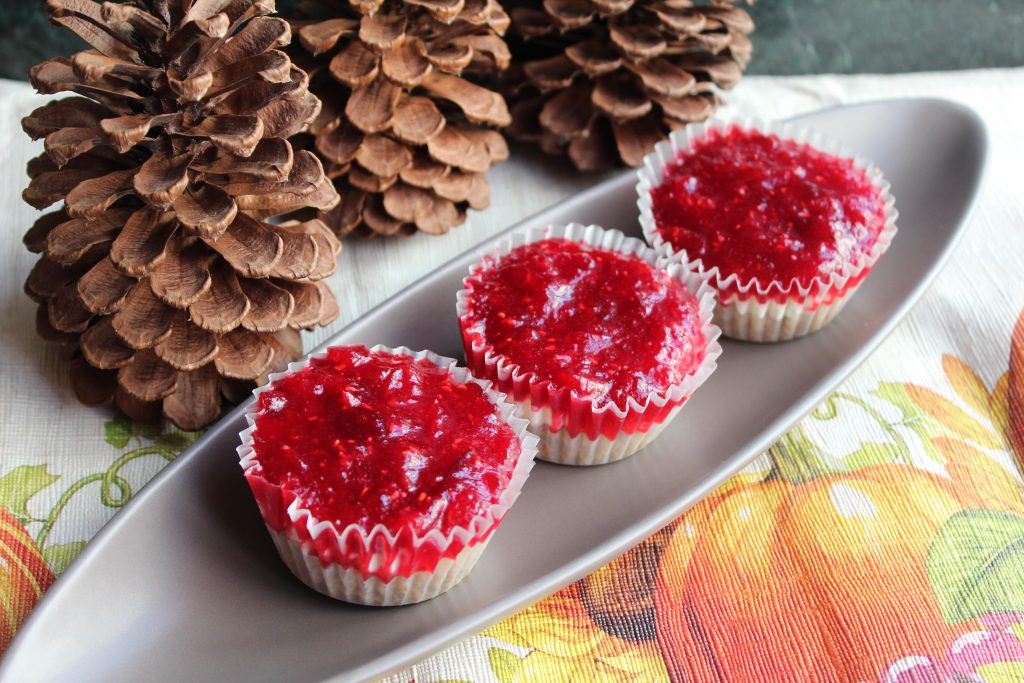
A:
[787, 229]
[382, 474]
[597, 344]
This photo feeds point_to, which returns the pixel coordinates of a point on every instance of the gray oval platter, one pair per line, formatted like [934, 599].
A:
[184, 584]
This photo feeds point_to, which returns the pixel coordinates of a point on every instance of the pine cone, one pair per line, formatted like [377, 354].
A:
[159, 270]
[402, 134]
[605, 80]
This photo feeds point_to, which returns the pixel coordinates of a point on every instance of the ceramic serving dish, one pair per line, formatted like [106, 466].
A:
[184, 583]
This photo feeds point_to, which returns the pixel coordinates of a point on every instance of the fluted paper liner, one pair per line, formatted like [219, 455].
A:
[573, 430]
[329, 560]
[773, 311]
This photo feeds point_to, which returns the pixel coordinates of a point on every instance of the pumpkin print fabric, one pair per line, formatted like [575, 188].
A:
[898, 562]
[24, 574]
[38, 510]
[901, 562]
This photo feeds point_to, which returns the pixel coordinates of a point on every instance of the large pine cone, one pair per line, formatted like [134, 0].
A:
[159, 270]
[605, 80]
[402, 133]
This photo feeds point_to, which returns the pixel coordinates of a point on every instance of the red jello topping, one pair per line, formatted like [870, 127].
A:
[757, 206]
[374, 438]
[604, 325]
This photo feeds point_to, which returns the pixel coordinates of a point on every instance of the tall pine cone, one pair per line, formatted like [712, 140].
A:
[402, 134]
[159, 270]
[605, 80]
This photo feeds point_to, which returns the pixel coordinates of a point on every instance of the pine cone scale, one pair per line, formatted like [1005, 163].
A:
[417, 120]
[250, 248]
[270, 306]
[372, 107]
[381, 31]
[569, 113]
[205, 210]
[309, 302]
[320, 37]
[162, 179]
[298, 255]
[259, 36]
[635, 138]
[35, 239]
[48, 277]
[147, 378]
[103, 289]
[84, 18]
[182, 277]
[142, 243]
[91, 198]
[187, 347]
[64, 145]
[142, 321]
[90, 385]
[424, 172]
[596, 150]
[223, 306]
[407, 64]
[594, 57]
[661, 77]
[340, 144]
[361, 179]
[103, 349]
[243, 355]
[68, 313]
[383, 156]
[196, 398]
[68, 242]
[356, 66]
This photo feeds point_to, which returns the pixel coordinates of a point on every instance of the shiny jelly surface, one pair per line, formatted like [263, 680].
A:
[370, 437]
[757, 206]
[604, 325]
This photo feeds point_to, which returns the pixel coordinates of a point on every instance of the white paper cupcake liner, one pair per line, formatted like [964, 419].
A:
[753, 310]
[349, 585]
[559, 447]
[315, 550]
[586, 434]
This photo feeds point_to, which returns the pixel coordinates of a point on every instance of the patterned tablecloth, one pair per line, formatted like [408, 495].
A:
[882, 539]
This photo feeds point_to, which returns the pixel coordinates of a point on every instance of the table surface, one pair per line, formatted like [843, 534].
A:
[862, 532]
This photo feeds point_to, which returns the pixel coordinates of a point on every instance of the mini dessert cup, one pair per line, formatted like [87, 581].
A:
[380, 566]
[773, 311]
[575, 430]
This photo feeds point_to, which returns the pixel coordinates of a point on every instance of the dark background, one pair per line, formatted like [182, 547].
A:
[792, 37]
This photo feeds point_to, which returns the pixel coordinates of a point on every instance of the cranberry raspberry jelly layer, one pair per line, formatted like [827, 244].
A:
[375, 439]
[604, 326]
[767, 209]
